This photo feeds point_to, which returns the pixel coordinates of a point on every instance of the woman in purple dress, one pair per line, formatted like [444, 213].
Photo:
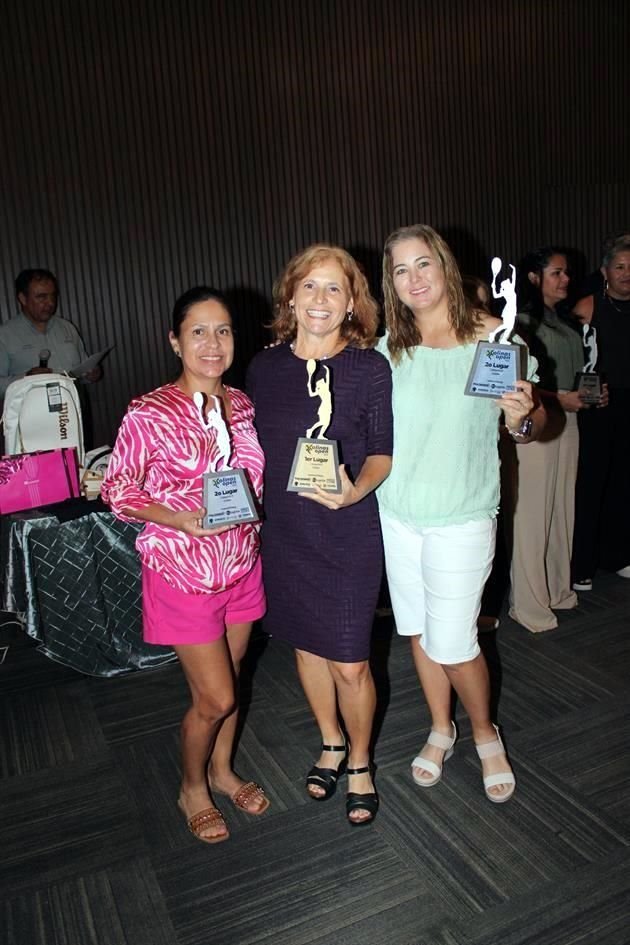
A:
[322, 551]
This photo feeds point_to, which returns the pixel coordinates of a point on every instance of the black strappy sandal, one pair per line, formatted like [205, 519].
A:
[325, 778]
[367, 802]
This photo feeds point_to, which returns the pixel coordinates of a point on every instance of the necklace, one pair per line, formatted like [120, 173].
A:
[323, 357]
[624, 302]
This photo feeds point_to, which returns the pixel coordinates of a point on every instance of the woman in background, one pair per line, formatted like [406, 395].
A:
[478, 293]
[438, 506]
[543, 476]
[201, 587]
[602, 527]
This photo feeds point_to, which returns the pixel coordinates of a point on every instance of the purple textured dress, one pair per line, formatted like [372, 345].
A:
[322, 568]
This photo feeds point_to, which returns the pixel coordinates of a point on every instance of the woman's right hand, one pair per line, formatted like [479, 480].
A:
[571, 401]
[191, 522]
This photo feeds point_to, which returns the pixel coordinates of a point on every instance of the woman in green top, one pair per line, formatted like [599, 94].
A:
[544, 476]
[438, 506]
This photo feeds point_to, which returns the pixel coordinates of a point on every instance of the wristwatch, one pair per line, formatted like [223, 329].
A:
[524, 431]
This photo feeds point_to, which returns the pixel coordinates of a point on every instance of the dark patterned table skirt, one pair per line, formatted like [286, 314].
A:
[75, 584]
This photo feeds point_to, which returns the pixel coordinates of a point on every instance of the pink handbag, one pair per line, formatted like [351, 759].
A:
[29, 480]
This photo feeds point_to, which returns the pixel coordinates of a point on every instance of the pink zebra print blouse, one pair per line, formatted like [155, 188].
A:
[161, 452]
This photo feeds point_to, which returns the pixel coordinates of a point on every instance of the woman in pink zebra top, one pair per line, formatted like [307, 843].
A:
[201, 587]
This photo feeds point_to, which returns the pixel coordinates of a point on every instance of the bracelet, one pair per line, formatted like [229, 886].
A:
[524, 431]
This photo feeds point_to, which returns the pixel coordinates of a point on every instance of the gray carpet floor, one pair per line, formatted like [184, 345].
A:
[95, 851]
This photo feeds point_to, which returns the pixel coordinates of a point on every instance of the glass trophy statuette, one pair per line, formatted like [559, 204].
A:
[497, 363]
[588, 382]
[316, 459]
[226, 493]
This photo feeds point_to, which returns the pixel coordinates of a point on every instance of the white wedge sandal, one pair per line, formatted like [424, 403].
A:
[489, 750]
[444, 742]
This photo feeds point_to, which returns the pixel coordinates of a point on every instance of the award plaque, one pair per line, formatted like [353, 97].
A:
[588, 382]
[316, 459]
[227, 496]
[497, 363]
[315, 463]
[589, 387]
[495, 370]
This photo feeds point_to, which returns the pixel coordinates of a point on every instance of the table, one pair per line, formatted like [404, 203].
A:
[72, 574]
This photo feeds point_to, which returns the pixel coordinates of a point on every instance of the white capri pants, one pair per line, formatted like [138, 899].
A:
[436, 577]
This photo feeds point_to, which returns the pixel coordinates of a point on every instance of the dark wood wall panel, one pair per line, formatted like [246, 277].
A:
[149, 145]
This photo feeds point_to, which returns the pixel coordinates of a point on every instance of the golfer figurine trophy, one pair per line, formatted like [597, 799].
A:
[497, 363]
[588, 382]
[226, 493]
[316, 459]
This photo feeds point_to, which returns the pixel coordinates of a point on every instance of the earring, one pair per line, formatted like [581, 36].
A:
[605, 285]
[349, 314]
[177, 352]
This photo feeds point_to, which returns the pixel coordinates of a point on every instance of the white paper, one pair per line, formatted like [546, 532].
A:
[90, 363]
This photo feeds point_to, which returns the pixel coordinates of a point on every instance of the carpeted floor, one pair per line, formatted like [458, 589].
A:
[95, 852]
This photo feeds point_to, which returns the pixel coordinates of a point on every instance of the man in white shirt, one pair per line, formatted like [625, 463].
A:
[36, 340]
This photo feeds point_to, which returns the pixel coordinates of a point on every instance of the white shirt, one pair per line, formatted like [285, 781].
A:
[21, 343]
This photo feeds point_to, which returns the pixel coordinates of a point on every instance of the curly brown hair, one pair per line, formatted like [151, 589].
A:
[402, 330]
[360, 330]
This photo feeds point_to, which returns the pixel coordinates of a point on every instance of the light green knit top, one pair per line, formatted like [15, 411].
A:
[445, 467]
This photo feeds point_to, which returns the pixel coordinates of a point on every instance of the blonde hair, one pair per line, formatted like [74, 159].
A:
[402, 330]
[360, 330]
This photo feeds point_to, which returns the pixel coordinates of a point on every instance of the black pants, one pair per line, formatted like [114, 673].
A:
[602, 491]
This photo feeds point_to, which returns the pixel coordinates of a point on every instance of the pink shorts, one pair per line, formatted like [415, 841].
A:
[171, 617]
